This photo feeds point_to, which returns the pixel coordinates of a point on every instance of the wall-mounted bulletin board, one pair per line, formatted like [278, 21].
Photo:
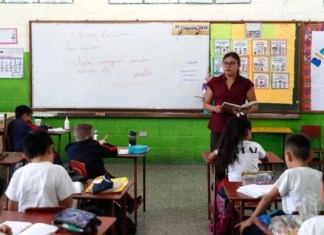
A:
[118, 65]
[269, 55]
[312, 67]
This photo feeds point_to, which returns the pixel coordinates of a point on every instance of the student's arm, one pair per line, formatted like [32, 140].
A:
[67, 202]
[12, 205]
[261, 208]
[212, 156]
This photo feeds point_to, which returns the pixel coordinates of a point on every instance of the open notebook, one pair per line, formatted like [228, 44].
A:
[255, 190]
[26, 228]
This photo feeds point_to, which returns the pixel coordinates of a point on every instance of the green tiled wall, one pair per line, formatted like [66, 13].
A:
[173, 141]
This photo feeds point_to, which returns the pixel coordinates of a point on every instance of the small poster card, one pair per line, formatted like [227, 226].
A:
[278, 47]
[244, 64]
[261, 80]
[8, 36]
[280, 80]
[260, 63]
[222, 47]
[190, 28]
[218, 65]
[241, 47]
[253, 30]
[278, 63]
[260, 47]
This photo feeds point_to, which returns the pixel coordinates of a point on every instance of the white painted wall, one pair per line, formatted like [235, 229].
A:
[19, 15]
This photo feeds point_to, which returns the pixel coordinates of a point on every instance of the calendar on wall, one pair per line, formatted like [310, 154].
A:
[11, 62]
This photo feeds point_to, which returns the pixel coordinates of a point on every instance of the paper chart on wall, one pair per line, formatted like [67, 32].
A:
[11, 62]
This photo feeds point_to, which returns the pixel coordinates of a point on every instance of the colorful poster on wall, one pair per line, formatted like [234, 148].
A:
[241, 47]
[253, 30]
[278, 47]
[244, 64]
[260, 64]
[278, 63]
[261, 80]
[11, 62]
[218, 65]
[260, 47]
[280, 80]
[317, 70]
[222, 47]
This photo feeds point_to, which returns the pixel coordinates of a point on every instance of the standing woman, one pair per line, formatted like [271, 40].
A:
[228, 87]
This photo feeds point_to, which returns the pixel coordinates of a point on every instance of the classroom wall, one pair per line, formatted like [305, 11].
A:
[172, 140]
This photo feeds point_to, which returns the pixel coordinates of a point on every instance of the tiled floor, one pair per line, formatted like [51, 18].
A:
[176, 199]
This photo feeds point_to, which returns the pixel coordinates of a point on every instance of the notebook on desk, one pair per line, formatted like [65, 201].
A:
[122, 151]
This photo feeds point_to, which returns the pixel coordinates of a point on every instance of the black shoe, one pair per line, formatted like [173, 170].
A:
[131, 204]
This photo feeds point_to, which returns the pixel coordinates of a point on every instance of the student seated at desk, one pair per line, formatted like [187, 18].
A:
[92, 152]
[20, 126]
[39, 183]
[297, 181]
[314, 225]
[236, 152]
[4, 229]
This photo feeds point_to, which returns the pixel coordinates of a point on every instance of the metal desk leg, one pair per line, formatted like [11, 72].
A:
[144, 184]
[135, 189]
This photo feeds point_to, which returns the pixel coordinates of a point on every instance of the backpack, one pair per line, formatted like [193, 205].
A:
[221, 223]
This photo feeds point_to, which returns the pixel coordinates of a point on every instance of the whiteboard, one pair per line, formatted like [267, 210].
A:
[116, 65]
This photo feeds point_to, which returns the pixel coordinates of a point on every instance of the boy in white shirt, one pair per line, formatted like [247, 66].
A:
[314, 225]
[297, 181]
[4, 229]
[39, 183]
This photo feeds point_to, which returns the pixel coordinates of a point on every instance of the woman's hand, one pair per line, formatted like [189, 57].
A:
[5, 229]
[218, 109]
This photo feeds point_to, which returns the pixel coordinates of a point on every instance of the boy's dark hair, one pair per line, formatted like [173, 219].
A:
[2, 186]
[21, 110]
[36, 143]
[299, 145]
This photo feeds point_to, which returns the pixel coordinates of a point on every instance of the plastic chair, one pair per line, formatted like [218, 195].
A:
[314, 132]
[79, 167]
[45, 209]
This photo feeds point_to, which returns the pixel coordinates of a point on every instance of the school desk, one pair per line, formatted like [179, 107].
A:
[59, 135]
[268, 163]
[284, 131]
[107, 223]
[109, 197]
[122, 153]
[10, 159]
[239, 200]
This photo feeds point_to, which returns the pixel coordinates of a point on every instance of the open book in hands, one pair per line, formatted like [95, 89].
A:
[229, 107]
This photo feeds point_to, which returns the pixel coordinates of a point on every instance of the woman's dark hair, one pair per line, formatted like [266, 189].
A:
[2, 186]
[235, 56]
[234, 132]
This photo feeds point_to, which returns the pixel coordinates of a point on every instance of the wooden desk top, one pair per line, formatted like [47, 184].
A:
[272, 158]
[272, 130]
[104, 196]
[60, 132]
[12, 158]
[34, 217]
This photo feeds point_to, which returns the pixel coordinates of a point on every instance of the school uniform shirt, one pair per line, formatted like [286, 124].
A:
[92, 153]
[236, 95]
[248, 155]
[296, 183]
[40, 184]
[17, 131]
[312, 226]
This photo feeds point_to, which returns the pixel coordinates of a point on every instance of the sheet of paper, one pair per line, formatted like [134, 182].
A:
[255, 190]
[123, 151]
[17, 226]
[56, 130]
[39, 229]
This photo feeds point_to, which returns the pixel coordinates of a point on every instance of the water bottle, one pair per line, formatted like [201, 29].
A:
[95, 135]
[132, 137]
[66, 123]
[263, 178]
[248, 179]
